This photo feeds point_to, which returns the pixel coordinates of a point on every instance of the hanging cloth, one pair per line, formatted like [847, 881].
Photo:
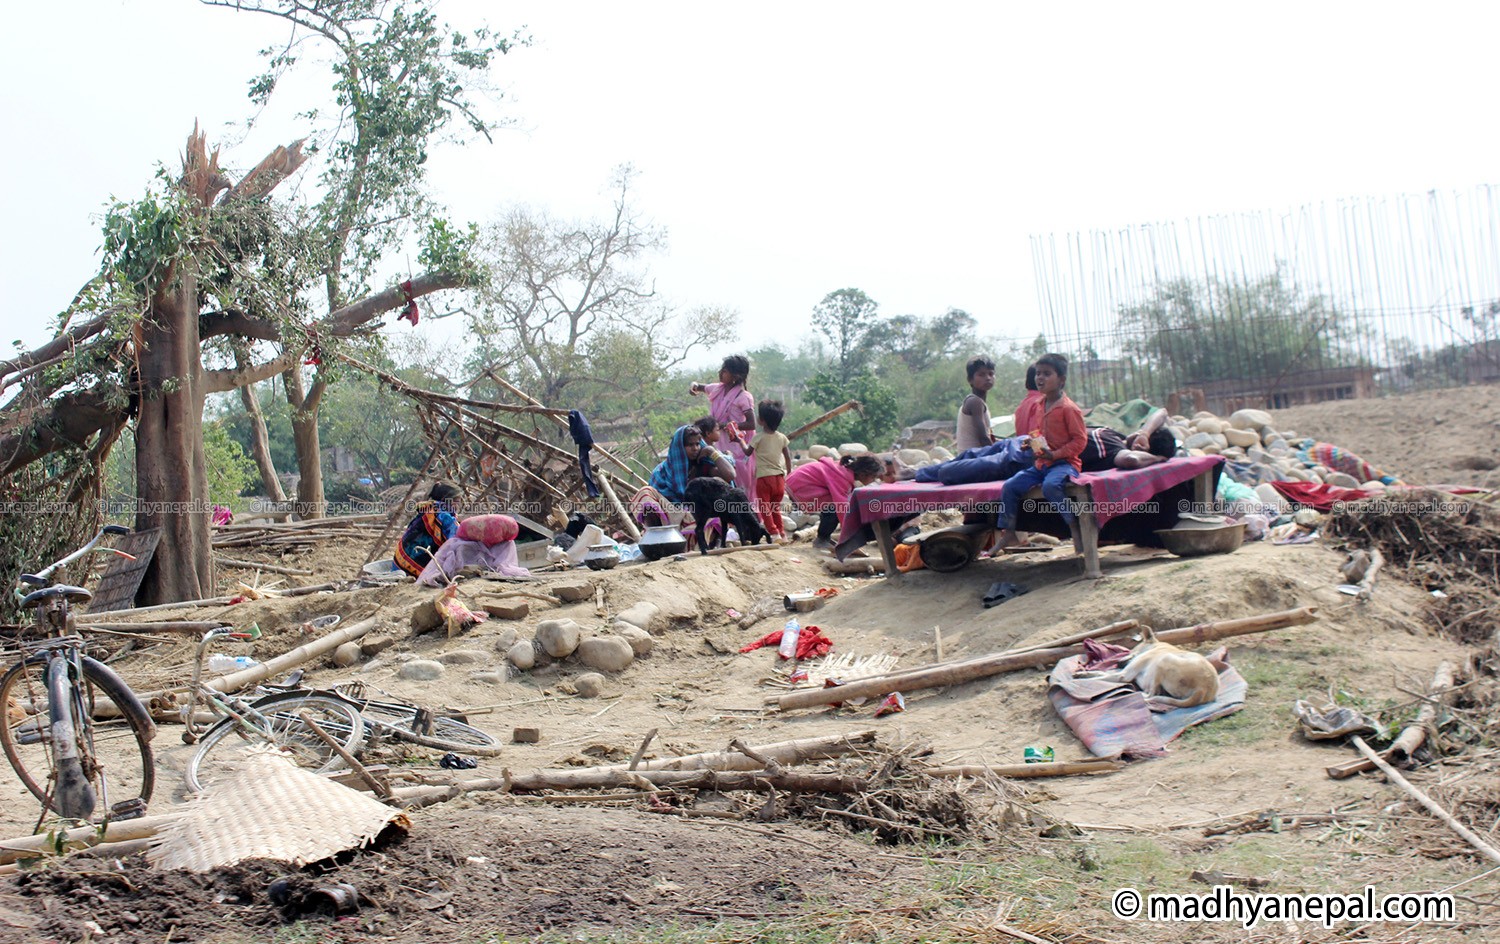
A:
[578, 428]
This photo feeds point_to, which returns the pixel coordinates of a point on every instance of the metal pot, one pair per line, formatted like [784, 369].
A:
[661, 541]
[601, 557]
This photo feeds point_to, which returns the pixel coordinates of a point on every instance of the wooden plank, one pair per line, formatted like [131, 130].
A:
[882, 530]
[122, 578]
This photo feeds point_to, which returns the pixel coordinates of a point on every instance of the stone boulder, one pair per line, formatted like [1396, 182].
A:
[640, 641]
[819, 451]
[1199, 441]
[375, 645]
[589, 685]
[645, 615]
[606, 653]
[853, 449]
[558, 638]
[348, 654]
[1243, 438]
[421, 670]
[522, 655]
[1255, 420]
[940, 454]
[464, 657]
[912, 457]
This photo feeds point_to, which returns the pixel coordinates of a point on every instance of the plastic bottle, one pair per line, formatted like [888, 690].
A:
[789, 634]
[222, 663]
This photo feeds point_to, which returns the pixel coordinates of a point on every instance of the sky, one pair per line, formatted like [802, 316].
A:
[792, 149]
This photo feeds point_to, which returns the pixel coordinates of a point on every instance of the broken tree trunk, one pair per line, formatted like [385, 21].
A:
[986, 666]
[260, 442]
[1415, 734]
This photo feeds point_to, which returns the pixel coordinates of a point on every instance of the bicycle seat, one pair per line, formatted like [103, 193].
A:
[68, 593]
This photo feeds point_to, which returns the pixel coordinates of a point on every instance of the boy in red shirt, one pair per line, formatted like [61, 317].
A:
[1056, 440]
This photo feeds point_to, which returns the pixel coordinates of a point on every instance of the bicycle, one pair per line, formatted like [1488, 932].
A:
[420, 726]
[277, 719]
[69, 759]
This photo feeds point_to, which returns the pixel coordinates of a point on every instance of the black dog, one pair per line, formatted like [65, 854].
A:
[716, 498]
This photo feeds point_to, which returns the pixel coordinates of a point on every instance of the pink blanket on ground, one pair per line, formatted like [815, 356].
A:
[1116, 492]
[456, 554]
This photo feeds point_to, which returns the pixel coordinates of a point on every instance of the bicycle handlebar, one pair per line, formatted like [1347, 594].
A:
[39, 579]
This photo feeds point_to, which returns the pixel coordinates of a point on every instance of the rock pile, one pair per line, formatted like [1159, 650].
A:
[1257, 452]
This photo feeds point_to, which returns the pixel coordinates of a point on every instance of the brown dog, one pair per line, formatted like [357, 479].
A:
[1167, 675]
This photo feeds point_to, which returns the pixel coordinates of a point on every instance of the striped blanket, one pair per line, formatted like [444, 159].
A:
[1112, 719]
[1115, 492]
[1342, 460]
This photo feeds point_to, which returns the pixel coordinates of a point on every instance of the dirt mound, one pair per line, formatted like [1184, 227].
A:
[490, 868]
[1431, 438]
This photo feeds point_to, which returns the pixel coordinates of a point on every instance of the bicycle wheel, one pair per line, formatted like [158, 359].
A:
[447, 734]
[280, 725]
[115, 752]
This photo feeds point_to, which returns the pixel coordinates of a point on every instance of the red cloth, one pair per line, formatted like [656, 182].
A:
[1316, 496]
[1029, 414]
[769, 491]
[811, 642]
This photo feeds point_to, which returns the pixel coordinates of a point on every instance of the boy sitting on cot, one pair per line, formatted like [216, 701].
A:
[1056, 441]
[973, 428]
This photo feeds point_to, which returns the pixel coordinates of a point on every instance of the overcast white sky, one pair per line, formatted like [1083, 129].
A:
[795, 148]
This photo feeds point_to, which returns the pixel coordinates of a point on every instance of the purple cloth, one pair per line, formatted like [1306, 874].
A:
[1115, 493]
[1114, 718]
[456, 554]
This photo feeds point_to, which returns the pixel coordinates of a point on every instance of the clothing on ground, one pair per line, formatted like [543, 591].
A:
[1124, 418]
[456, 554]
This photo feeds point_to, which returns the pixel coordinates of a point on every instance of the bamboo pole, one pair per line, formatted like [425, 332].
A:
[1391, 774]
[813, 424]
[609, 493]
[26, 847]
[269, 568]
[512, 463]
[1062, 768]
[188, 627]
[670, 771]
[985, 666]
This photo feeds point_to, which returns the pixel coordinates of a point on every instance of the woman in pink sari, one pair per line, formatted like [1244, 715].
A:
[733, 408]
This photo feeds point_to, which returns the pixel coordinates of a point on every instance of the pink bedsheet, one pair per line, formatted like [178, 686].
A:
[1116, 492]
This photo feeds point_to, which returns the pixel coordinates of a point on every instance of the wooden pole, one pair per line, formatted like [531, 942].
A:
[813, 424]
[269, 568]
[609, 493]
[985, 666]
[611, 457]
[380, 789]
[235, 681]
[1062, 768]
[1391, 774]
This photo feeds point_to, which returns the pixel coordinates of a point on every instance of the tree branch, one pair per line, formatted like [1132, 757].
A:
[221, 381]
[233, 321]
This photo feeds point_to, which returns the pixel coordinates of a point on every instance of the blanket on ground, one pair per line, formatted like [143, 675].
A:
[1112, 718]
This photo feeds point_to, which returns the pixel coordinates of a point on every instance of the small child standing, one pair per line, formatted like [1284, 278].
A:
[1057, 441]
[773, 460]
[973, 428]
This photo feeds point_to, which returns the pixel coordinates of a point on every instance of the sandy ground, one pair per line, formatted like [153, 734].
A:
[1436, 437]
[698, 692]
